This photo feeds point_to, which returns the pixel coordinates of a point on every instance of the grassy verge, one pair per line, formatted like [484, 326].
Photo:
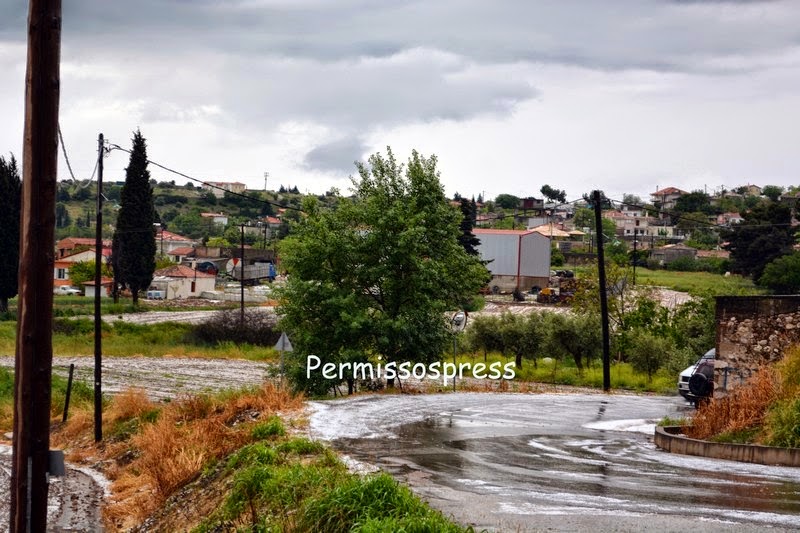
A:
[232, 462]
[565, 373]
[75, 337]
[697, 282]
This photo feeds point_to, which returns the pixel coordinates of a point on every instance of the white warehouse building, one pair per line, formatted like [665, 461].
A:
[517, 258]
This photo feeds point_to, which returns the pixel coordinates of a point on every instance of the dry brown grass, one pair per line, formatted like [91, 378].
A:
[742, 409]
[131, 403]
[187, 435]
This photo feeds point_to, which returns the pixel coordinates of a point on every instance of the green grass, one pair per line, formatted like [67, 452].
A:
[697, 282]
[565, 373]
[272, 489]
[742, 436]
[82, 395]
[76, 337]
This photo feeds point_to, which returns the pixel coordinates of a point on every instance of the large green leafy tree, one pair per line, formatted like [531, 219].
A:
[377, 276]
[9, 230]
[764, 235]
[134, 246]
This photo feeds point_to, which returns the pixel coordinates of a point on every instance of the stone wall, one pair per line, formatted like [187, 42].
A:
[752, 331]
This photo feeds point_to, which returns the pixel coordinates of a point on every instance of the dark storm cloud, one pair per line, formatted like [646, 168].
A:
[655, 34]
[351, 66]
[338, 156]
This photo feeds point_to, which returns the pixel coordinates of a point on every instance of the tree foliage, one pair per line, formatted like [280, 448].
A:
[773, 192]
[134, 246]
[782, 276]
[467, 238]
[376, 276]
[507, 201]
[693, 202]
[10, 192]
[554, 195]
[764, 235]
[85, 271]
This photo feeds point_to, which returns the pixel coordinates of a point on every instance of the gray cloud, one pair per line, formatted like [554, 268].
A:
[337, 156]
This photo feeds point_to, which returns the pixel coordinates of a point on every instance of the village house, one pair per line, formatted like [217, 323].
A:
[167, 242]
[216, 218]
[62, 264]
[180, 281]
[68, 245]
[665, 199]
[218, 188]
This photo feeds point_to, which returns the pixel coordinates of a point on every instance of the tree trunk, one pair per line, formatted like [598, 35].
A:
[518, 360]
[350, 386]
[3, 305]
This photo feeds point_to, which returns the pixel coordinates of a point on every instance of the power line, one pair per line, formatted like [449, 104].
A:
[210, 185]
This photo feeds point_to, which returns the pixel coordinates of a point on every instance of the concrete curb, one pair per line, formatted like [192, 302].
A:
[671, 439]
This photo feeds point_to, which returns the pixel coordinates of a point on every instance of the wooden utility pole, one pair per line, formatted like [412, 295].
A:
[601, 270]
[34, 350]
[98, 286]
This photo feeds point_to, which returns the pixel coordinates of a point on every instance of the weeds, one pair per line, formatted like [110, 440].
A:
[273, 427]
[765, 410]
[174, 443]
[744, 408]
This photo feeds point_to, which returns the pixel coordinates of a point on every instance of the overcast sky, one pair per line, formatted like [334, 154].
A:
[622, 95]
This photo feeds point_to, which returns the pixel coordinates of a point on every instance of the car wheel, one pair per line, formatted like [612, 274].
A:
[699, 385]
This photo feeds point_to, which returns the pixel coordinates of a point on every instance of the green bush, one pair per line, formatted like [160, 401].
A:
[783, 424]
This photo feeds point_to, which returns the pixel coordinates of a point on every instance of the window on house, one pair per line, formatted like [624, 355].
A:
[193, 286]
[61, 273]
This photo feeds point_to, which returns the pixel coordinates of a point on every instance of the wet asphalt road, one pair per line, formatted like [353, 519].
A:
[556, 462]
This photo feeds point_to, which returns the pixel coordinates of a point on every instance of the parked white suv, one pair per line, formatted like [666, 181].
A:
[696, 381]
[67, 290]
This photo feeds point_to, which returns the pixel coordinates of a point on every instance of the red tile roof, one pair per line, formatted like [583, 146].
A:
[181, 271]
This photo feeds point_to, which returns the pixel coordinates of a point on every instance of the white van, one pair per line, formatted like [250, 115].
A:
[704, 368]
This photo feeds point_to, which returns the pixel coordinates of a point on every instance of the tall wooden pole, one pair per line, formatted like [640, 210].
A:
[98, 286]
[601, 270]
[34, 350]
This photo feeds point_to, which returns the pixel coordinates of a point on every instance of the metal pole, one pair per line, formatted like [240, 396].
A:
[98, 285]
[635, 257]
[601, 268]
[34, 347]
[454, 360]
[69, 392]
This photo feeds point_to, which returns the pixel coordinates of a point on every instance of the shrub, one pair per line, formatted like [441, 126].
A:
[257, 328]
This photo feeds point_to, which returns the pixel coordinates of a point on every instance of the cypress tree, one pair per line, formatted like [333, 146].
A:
[468, 239]
[10, 190]
[134, 246]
